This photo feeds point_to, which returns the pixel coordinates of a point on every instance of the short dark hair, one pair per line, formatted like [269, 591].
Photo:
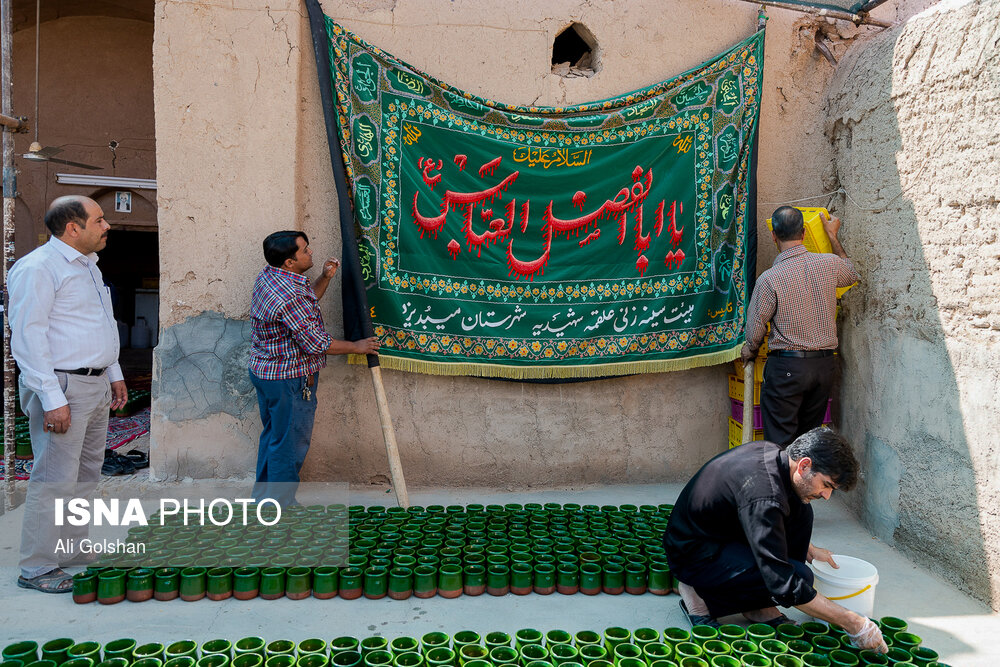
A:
[830, 454]
[280, 246]
[64, 211]
[787, 223]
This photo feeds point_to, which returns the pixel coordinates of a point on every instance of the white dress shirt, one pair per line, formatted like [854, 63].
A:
[60, 317]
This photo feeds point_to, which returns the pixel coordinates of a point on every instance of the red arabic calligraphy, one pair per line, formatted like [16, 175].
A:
[627, 202]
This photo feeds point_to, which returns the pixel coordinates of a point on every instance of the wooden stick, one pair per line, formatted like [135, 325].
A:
[389, 435]
[748, 374]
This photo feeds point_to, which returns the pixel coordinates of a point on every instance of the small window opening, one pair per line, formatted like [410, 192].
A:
[574, 52]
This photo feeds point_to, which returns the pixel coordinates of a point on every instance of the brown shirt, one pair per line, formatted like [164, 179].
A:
[798, 295]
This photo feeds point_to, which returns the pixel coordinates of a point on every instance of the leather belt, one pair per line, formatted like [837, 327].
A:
[82, 371]
[801, 354]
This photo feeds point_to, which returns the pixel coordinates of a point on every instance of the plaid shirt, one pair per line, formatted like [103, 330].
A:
[287, 336]
[798, 296]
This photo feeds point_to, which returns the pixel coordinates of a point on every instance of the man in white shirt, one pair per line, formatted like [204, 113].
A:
[65, 341]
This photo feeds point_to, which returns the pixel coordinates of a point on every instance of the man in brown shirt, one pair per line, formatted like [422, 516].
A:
[797, 295]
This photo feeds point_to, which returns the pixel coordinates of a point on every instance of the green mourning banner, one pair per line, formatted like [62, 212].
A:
[599, 239]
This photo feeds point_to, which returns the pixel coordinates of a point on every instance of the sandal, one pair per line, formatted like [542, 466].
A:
[53, 581]
[115, 464]
[695, 619]
[139, 459]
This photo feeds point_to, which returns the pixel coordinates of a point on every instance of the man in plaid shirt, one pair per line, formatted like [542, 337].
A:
[798, 296]
[289, 344]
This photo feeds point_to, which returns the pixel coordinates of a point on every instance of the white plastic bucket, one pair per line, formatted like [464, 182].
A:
[852, 585]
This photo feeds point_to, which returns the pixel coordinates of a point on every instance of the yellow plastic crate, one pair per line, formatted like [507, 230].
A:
[815, 238]
[736, 433]
[736, 389]
[758, 370]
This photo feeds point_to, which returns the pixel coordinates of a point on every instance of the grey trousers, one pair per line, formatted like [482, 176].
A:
[66, 465]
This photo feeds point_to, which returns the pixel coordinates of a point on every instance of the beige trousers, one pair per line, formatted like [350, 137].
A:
[66, 465]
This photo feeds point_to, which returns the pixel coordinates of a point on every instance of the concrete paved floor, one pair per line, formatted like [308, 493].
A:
[964, 631]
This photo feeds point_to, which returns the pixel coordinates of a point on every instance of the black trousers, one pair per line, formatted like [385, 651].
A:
[732, 583]
[794, 395]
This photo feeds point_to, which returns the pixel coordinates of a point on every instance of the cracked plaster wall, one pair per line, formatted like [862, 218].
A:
[242, 152]
[912, 117]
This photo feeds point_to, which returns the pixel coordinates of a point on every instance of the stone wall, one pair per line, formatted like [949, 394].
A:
[912, 116]
[242, 152]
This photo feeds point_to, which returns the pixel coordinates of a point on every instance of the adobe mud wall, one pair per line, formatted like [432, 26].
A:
[912, 116]
[242, 152]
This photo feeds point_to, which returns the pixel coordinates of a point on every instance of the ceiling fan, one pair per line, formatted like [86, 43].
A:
[36, 151]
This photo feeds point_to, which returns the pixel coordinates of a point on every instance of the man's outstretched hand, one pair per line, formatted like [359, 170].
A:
[367, 346]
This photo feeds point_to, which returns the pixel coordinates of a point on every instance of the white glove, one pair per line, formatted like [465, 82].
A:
[869, 637]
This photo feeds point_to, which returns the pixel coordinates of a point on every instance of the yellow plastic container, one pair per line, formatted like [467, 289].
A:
[758, 368]
[736, 389]
[815, 238]
[736, 433]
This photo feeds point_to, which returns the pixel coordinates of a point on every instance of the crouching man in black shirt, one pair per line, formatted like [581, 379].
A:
[739, 535]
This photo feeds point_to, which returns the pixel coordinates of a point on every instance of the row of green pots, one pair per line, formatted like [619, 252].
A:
[811, 645]
[449, 580]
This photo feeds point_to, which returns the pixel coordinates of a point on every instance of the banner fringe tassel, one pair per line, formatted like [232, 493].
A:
[386, 360]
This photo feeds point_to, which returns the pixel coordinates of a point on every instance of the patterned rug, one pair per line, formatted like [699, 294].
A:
[121, 430]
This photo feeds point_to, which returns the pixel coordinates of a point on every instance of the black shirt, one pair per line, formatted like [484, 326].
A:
[744, 495]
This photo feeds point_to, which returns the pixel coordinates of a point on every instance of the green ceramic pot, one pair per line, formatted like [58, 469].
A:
[84, 587]
[346, 659]
[219, 583]
[440, 656]
[880, 659]
[179, 649]
[449, 583]
[214, 660]
[400, 585]
[521, 578]
[376, 584]
[220, 646]
[24, 652]
[815, 660]
[544, 578]
[298, 583]
[120, 648]
[250, 645]
[72, 662]
[498, 579]
[589, 653]
[246, 583]
[148, 662]
[343, 644]
[840, 658]
[192, 586]
[111, 586]
[702, 633]
[526, 636]
[166, 583]
[408, 659]
[433, 640]
[533, 653]
[248, 660]
[470, 652]
[786, 660]
[378, 659]
[474, 579]
[324, 582]
[281, 660]
[139, 584]
[891, 625]
[613, 578]
[122, 662]
[823, 644]
[312, 660]
[272, 583]
[503, 655]
[635, 578]
[675, 636]
[91, 650]
[279, 647]
[404, 645]
[57, 650]
[372, 644]
[615, 636]
[351, 583]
